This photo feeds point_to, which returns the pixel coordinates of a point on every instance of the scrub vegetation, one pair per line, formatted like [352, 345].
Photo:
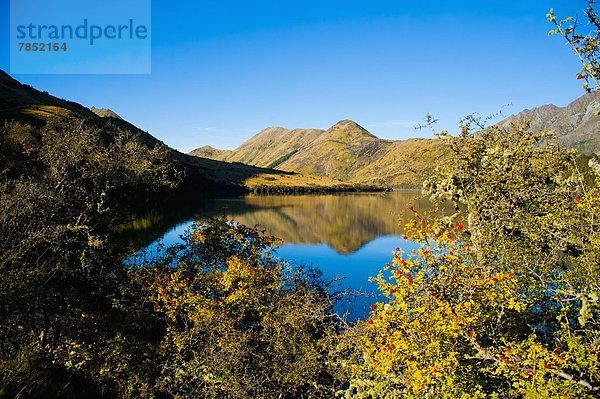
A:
[499, 300]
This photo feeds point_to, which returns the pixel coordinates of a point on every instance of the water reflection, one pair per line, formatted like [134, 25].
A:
[344, 222]
[345, 235]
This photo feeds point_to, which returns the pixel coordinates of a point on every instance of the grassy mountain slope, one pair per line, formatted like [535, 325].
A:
[265, 147]
[575, 125]
[346, 151]
[210, 152]
[336, 153]
[22, 103]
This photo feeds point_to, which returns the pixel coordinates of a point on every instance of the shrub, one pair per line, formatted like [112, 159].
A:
[238, 323]
[501, 299]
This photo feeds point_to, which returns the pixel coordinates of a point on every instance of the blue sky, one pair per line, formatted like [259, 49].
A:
[223, 70]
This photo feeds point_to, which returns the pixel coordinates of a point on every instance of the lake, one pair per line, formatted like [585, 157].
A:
[349, 235]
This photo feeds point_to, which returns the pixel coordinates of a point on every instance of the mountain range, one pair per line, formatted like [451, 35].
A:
[577, 125]
[347, 151]
[344, 157]
[25, 104]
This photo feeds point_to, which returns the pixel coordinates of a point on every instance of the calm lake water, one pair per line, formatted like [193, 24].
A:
[349, 235]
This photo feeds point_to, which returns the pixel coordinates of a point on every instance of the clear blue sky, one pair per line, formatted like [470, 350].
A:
[223, 70]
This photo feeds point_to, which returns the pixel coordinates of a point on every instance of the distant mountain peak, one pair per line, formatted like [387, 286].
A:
[575, 125]
[105, 113]
[350, 130]
[208, 151]
[347, 123]
[270, 130]
[274, 128]
[208, 148]
[548, 107]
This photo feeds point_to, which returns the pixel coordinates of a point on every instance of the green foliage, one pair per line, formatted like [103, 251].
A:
[281, 160]
[500, 300]
[216, 316]
[61, 188]
[584, 39]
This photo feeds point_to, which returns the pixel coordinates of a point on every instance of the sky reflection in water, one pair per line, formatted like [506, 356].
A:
[344, 235]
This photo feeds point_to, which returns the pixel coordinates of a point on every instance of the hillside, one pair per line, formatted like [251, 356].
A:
[105, 113]
[265, 148]
[15, 96]
[346, 151]
[22, 103]
[575, 125]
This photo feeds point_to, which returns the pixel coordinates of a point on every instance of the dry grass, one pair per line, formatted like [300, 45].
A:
[345, 152]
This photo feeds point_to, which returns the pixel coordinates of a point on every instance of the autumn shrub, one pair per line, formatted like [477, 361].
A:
[501, 298]
[239, 324]
[216, 316]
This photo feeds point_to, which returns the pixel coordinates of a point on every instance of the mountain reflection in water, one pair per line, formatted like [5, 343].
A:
[350, 234]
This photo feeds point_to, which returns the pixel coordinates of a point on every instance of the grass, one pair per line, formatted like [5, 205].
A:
[345, 152]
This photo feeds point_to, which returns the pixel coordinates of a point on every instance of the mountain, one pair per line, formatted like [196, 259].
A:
[265, 148]
[210, 152]
[24, 104]
[346, 151]
[105, 113]
[576, 125]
